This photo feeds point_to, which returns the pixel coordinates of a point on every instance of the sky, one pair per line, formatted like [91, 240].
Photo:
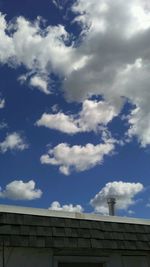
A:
[74, 105]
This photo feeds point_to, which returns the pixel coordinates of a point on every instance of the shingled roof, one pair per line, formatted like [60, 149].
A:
[47, 229]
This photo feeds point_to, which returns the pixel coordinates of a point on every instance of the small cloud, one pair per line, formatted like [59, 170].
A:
[56, 206]
[3, 125]
[60, 4]
[13, 141]
[78, 158]
[55, 108]
[2, 103]
[40, 83]
[131, 212]
[19, 190]
[59, 121]
[148, 204]
[92, 117]
[23, 78]
[124, 192]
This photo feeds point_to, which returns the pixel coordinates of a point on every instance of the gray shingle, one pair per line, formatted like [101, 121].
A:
[58, 242]
[58, 231]
[110, 244]
[48, 242]
[73, 223]
[41, 231]
[24, 230]
[71, 242]
[40, 242]
[5, 229]
[84, 243]
[95, 233]
[85, 224]
[56, 222]
[131, 245]
[84, 233]
[96, 243]
[32, 241]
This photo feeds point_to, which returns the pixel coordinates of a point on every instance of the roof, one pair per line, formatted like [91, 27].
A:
[28, 227]
[71, 215]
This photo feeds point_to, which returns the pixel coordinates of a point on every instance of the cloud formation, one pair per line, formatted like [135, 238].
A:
[2, 103]
[109, 59]
[59, 121]
[124, 192]
[3, 125]
[77, 158]
[19, 190]
[117, 47]
[40, 83]
[92, 116]
[57, 206]
[41, 51]
[13, 141]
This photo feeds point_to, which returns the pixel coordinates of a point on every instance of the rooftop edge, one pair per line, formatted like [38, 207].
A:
[71, 215]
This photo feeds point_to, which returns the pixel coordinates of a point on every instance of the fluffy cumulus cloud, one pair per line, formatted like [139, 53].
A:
[13, 141]
[19, 190]
[111, 60]
[116, 46]
[40, 83]
[59, 121]
[71, 208]
[77, 158]
[93, 115]
[41, 51]
[124, 192]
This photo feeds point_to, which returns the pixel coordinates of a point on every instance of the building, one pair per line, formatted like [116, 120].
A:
[32, 237]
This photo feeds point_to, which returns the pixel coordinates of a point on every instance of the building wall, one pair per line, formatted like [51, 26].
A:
[30, 257]
[117, 260]
[26, 257]
[135, 261]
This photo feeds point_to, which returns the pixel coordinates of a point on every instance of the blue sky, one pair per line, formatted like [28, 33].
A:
[74, 105]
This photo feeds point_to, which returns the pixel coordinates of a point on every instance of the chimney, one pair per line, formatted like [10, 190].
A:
[111, 205]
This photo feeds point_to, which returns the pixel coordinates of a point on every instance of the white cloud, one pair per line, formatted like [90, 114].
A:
[19, 190]
[59, 121]
[106, 15]
[60, 4]
[134, 81]
[13, 141]
[56, 206]
[118, 65]
[148, 204]
[78, 158]
[111, 58]
[92, 116]
[3, 125]
[40, 83]
[95, 113]
[6, 44]
[124, 192]
[41, 51]
[131, 212]
[2, 103]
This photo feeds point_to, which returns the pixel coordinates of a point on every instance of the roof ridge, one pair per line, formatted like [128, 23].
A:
[71, 215]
